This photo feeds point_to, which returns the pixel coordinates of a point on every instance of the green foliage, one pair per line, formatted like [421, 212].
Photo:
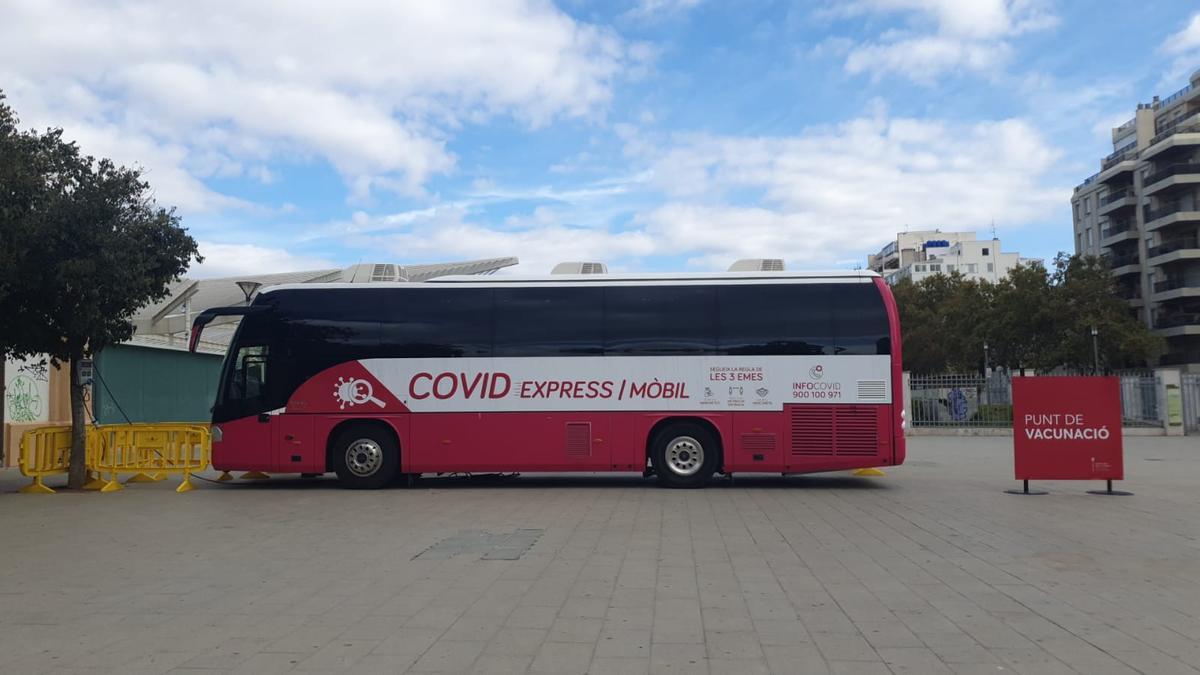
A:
[994, 413]
[83, 246]
[1032, 318]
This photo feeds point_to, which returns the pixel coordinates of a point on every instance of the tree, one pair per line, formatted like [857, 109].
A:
[1086, 299]
[83, 247]
[1031, 318]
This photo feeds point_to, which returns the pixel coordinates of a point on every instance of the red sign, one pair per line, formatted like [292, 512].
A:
[1067, 428]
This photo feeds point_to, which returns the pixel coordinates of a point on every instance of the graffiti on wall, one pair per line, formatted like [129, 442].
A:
[27, 391]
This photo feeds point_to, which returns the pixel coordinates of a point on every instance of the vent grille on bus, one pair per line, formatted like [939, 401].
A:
[758, 442]
[872, 390]
[579, 439]
[812, 430]
[841, 430]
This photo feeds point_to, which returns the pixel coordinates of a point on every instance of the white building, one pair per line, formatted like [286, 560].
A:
[916, 255]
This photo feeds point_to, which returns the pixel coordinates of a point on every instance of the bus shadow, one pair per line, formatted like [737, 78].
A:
[574, 481]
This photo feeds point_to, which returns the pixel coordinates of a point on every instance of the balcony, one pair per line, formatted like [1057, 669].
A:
[1115, 200]
[1122, 264]
[1178, 320]
[1168, 247]
[1125, 229]
[1182, 173]
[1117, 164]
[1169, 285]
[1131, 294]
[1169, 213]
[1186, 125]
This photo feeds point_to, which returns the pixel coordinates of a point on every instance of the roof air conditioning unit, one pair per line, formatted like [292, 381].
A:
[757, 265]
[580, 268]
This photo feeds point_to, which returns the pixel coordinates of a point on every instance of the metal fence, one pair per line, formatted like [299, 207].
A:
[961, 400]
[1141, 404]
[1191, 402]
[975, 400]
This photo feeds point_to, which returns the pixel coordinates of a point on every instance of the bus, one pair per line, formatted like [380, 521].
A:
[679, 376]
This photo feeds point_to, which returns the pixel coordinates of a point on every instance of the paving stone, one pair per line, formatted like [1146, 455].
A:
[930, 570]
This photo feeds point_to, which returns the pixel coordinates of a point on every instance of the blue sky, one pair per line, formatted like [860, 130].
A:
[649, 134]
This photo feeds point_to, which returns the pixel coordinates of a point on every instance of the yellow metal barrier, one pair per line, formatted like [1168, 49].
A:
[44, 451]
[149, 451]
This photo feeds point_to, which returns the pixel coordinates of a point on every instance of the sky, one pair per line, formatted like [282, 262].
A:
[652, 135]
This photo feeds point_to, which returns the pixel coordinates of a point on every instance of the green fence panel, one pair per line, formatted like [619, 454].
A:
[154, 385]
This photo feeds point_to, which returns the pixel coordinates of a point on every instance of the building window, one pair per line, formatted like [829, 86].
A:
[1087, 205]
[972, 268]
[1089, 238]
[1076, 205]
[949, 268]
[985, 251]
[991, 267]
[1079, 243]
[935, 268]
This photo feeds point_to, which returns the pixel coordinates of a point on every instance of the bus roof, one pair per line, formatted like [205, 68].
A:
[476, 281]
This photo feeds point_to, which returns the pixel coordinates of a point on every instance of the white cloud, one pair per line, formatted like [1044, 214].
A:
[1184, 46]
[836, 192]
[650, 8]
[970, 35]
[1186, 39]
[230, 260]
[373, 87]
[827, 195]
[540, 239]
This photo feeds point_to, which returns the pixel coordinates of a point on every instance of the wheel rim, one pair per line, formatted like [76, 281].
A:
[364, 457]
[685, 456]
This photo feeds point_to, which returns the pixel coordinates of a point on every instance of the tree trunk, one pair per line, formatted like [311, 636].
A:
[77, 475]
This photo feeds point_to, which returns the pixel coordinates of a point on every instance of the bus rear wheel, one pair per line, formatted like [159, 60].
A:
[684, 455]
[365, 458]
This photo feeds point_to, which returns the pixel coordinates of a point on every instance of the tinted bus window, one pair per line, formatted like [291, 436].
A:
[341, 322]
[437, 323]
[860, 320]
[545, 321]
[643, 320]
[776, 319]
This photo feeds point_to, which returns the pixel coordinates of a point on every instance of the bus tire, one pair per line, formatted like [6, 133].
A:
[365, 457]
[685, 455]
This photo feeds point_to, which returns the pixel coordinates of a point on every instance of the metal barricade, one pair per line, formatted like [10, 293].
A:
[150, 452]
[44, 451]
[967, 400]
[1190, 383]
[1140, 404]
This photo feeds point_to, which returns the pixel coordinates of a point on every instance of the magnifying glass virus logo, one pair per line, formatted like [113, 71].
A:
[354, 392]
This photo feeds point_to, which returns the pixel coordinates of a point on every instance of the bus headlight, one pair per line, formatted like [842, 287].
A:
[216, 434]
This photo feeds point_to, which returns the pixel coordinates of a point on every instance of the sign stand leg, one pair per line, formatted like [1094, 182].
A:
[1110, 491]
[1025, 490]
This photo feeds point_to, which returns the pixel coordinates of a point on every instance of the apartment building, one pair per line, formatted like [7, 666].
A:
[916, 255]
[1141, 212]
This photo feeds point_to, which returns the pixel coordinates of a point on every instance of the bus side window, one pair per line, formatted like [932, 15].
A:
[785, 319]
[645, 320]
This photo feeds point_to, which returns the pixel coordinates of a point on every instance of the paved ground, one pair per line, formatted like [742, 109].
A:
[929, 570]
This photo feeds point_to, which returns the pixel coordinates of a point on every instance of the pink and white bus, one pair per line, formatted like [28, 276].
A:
[679, 376]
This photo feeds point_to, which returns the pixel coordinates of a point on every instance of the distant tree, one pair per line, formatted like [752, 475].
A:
[1021, 325]
[1086, 298]
[941, 323]
[83, 247]
[1031, 318]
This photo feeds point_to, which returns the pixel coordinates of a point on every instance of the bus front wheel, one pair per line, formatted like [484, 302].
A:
[684, 455]
[365, 458]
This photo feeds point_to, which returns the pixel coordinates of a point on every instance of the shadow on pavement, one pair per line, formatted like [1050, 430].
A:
[574, 481]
